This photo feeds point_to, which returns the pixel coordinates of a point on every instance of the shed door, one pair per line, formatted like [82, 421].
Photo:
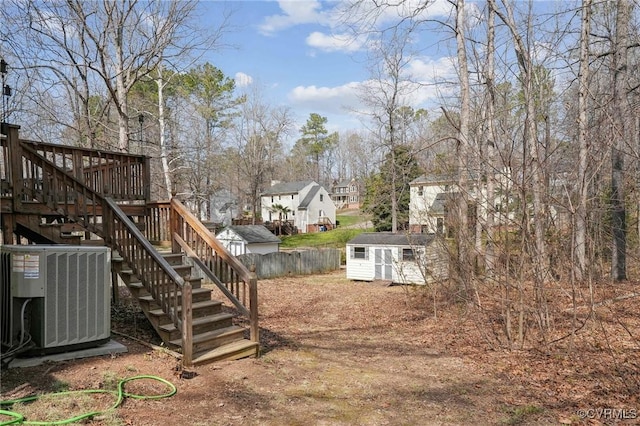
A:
[383, 261]
[236, 248]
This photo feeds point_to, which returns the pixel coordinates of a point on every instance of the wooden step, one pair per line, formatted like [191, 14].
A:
[236, 350]
[213, 339]
[129, 277]
[173, 258]
[183, 270]
[197, 295]
[169, 332]
[200, 309]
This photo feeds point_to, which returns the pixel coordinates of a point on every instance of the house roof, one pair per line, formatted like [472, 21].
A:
[254, 233]
[391, 239]
[450, 178]
[307, 200]
[343, 183]
[287, 187]
[439, 203]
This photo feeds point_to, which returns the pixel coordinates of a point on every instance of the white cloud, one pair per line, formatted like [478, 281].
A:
[333, 43]
[294, 13]
[329, 99]
[427, 70]
[243, 80]
[421, 89]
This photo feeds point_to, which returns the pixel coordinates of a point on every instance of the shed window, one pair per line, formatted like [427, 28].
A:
[359, 253]
[408, 254]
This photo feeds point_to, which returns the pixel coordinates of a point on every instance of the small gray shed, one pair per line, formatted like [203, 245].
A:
[245, 239]
[401, 258]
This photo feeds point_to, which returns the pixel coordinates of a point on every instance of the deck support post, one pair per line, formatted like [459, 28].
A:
[15, 163]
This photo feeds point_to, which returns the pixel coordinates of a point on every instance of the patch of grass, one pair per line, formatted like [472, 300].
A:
[110, 380]
[58, 407]
[350, 219]
[336, 238]
[520, 414]
[59, 386]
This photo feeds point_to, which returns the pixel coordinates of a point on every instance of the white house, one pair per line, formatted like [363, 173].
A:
[245, 239]
[308, 205]
[400, 258]
[429, 196]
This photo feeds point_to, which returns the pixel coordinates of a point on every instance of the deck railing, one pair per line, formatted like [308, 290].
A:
[123, 177]
[233, 279]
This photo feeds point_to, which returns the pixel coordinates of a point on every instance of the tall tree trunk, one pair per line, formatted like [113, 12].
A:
[618, 258]
[463, 238]
[580, 231]
[163, 138]
[490, 140]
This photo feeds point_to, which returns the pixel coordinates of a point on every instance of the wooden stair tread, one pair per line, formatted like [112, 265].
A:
[194, 290]
[199, 321]
[194, 306]
[214, 334]
[241, 349]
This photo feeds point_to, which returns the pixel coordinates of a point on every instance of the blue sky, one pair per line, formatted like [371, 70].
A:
[294, 52]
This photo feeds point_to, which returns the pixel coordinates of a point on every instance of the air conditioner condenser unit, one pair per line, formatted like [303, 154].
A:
[55, 296]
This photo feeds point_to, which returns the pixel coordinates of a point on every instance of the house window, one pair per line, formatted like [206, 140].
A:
[440, 225]
[321, 197]
[272, 199]
[420, 190]
[292, 196]
[408, 255]
[359, 253]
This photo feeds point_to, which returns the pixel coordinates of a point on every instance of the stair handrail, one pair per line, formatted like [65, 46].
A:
[228, 274]
[119, 232]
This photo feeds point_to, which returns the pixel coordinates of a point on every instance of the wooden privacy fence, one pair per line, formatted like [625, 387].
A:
[282, 264]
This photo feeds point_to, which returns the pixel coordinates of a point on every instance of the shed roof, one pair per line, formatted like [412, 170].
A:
[391, 239]
[254, 233]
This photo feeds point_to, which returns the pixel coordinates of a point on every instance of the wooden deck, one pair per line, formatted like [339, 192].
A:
[56, 194]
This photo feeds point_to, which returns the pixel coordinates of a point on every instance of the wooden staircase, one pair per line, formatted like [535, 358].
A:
[80, 196]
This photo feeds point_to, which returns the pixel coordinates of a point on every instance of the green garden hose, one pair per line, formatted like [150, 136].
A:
[18, 419]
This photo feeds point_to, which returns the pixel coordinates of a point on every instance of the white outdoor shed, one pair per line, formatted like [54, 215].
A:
[401, 258]
[245, 239]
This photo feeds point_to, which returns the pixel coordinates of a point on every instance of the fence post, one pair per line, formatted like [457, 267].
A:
[173, 228]
[253, 306]
[187, 329]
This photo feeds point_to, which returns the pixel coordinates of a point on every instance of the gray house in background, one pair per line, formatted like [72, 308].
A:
[400, 258]
[223, 208]
[246, 239]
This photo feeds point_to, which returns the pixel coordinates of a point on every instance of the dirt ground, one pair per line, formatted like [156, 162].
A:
[337, 352]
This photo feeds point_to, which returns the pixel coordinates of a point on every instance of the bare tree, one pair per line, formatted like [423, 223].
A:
[620, 109]
[258, 134]
[579, 245]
